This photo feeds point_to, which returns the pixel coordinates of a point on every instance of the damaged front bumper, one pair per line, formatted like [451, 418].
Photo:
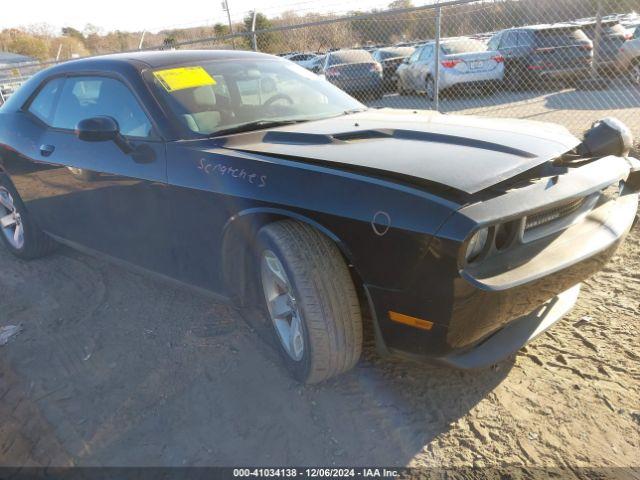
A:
[497, 306]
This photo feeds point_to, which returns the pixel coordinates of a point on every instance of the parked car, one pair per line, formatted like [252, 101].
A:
[536, 53]
[463, 61]
[354, 71]
[612, 36]
[463, 237]
[390, 58]
[628, 58]
[317, 64]
[305, 60]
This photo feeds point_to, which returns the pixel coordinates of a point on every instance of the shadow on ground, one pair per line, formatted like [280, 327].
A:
[113, 368]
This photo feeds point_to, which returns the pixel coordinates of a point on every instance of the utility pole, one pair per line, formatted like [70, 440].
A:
[254, 40]
[141, 40]
[59, 52]
[225, 7]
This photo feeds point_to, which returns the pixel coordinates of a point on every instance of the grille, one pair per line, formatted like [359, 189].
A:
[548, 216]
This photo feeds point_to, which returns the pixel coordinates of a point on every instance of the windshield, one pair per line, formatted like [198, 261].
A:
[464, 46]
[350, 56]
[394, 53]
[610, 29]
[558, 37]
[223, 94]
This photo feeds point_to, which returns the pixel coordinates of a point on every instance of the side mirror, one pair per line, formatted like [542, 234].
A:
[102, 129]
[97, 129]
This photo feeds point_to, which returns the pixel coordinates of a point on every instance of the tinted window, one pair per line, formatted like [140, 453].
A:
[392, 53]
[559, 37]
[414, 56]
[86, 97]
[464, 46]
[509, 39]
[426, 52]
[350, 56]
[42, 105]
[609, 29]
[636, 33]
[494, 43]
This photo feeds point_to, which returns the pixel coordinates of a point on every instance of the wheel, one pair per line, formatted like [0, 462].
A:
[515, 78]
[430, 88]
[400, 87]
[634, 72]
[18, 231]
[311, 300]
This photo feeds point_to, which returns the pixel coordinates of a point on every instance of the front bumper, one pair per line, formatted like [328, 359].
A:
[509, 339]
[488, 312]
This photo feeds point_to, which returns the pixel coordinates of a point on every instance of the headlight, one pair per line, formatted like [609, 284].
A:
[476, 244]
[608, 136]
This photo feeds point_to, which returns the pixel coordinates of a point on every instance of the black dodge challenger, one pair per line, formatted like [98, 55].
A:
[245, 175]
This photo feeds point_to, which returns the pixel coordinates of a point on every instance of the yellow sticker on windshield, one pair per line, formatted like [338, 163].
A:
[183, 77]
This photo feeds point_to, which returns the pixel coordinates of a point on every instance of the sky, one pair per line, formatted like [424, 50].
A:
[137, 15]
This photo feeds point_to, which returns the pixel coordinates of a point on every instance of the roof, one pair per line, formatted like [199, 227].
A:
[9, 58]
[547, 26]
[163, 58]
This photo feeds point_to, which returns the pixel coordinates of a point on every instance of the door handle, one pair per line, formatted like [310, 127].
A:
[46, 150]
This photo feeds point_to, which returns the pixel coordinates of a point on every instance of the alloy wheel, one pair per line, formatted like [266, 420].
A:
[430, 88]
[282, 306]
[10, 220]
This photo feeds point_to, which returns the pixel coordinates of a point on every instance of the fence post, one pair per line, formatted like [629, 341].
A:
[225, 7]
[436, 74]
[596, 41]
[254, 40]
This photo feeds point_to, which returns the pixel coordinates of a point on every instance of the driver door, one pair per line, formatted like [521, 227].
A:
[94, 194]
[422, 67]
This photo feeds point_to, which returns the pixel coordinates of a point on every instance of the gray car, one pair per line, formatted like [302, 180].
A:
[462, 61]
[354, 71]
[629, 58]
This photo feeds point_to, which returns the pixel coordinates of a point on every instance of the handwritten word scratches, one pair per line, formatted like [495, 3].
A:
[252, 178]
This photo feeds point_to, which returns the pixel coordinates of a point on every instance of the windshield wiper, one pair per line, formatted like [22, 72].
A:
[255, 125]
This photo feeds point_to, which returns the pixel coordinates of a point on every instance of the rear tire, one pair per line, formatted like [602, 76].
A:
[30, 242]
[430, 88]
[634, 72]
[321, 306]
[516, 80]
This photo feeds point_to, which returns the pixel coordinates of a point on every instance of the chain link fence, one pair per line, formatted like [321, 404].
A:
[570, 62]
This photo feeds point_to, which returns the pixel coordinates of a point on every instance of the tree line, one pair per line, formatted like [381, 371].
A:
[44, 43]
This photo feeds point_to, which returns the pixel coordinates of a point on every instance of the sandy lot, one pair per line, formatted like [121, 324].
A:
[114, 368]
[576, 109]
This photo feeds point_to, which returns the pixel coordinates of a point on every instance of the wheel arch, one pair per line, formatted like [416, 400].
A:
[237, 241]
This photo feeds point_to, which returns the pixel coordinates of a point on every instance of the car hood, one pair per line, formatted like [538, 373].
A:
[466, 153]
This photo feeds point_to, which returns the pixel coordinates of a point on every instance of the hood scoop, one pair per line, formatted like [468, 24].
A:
[465, 153]
[300, 138]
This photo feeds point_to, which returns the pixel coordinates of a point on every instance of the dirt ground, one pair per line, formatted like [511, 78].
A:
[114, 368]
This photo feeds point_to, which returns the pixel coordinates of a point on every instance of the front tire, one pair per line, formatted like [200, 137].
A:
[19, 233]
[311, 300]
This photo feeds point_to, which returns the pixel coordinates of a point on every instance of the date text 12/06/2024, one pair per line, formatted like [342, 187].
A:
[292, 472]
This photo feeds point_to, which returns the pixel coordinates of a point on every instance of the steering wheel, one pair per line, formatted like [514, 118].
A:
[278, 96]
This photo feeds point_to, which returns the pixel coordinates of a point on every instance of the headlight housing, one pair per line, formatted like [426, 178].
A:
[476, 245]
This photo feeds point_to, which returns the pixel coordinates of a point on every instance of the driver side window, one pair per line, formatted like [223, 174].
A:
[414, 56]
[426, 53]
[86, 97]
